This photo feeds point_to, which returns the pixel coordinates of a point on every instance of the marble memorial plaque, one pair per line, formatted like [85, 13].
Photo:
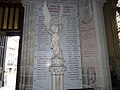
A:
[70, 45]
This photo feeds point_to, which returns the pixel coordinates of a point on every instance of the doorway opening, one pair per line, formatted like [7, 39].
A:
[11, 59]
[11, 25]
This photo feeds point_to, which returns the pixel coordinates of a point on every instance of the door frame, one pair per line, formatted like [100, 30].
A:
[13, 31]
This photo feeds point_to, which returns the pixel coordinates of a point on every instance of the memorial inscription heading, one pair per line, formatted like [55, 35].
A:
[70, 45]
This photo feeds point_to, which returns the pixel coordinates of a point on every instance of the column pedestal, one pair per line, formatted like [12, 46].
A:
[57, 69]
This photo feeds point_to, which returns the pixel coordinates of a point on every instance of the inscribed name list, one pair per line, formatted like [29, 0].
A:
[70, 46]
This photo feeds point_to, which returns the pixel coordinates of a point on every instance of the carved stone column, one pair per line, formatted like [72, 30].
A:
[57, 69]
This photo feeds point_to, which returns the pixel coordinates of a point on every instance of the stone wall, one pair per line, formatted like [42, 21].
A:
[100, 62]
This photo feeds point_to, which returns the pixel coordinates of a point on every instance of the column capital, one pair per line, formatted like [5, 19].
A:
[57, 70]
[57, 62]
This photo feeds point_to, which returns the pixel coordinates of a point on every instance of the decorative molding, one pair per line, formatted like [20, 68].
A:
[57, 70]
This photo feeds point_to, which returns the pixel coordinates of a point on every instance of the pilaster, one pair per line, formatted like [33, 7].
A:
[104, 78]
[28, 40]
